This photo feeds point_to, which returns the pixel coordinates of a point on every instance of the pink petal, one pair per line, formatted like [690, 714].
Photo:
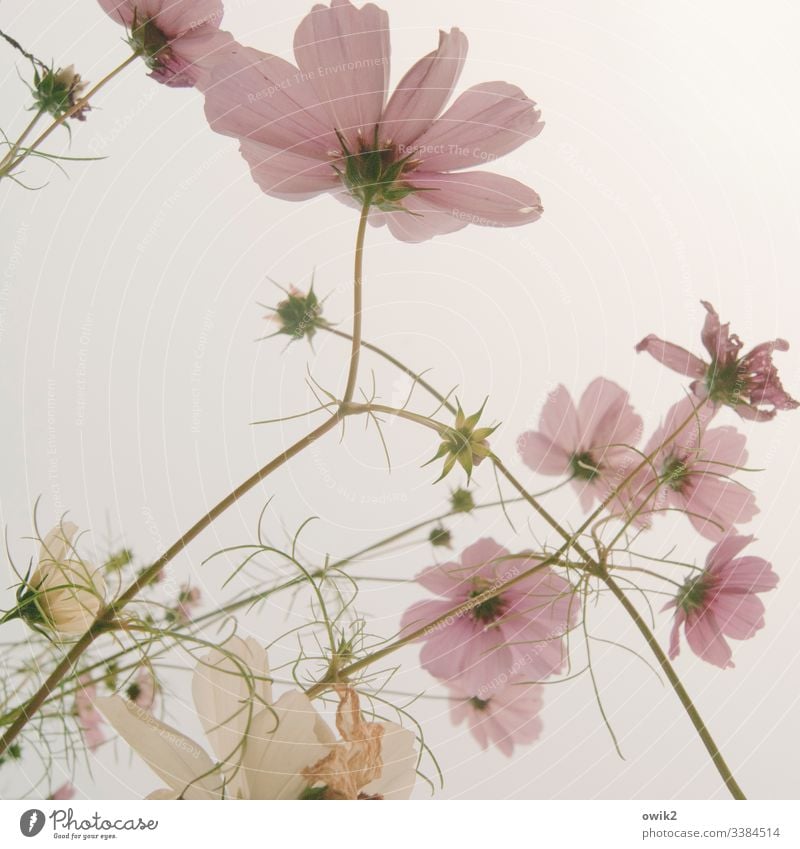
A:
[421, 614]
[706, 640]
[672, 356]
[720, 556]
[423, 92]
[717, 339]
[480, 197]
[451, 580]
[675, 634]
[466, 654]
[483, 558]
[722, 450]
[748, 574]
[419, 220]
[255, 95]
[485, 122]
[285, 174]
[738, 615]
[344, 52]
[559, 420]
[717, 505]
[202, 50]
[588, 493]
[542, 454]
[606, 417]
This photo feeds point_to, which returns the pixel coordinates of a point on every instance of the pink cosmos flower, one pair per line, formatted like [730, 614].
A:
[722, 602]
[178, 39]
[591, 443]
[749, 383]
[142, 690]
[508, 717]
[89, 719]
[691, 473]
[65, 792]
[327, 124]
[487, 645]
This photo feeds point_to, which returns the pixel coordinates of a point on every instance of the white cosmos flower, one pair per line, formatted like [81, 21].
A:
[63, 593]
[263, 749]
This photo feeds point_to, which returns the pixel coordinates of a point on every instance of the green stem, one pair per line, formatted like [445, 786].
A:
[358, 306]
[18, 143]
[708, 741]
[106, 617]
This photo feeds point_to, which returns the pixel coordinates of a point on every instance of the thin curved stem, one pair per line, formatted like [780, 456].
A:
[106, 617]
[18, 143]
[708, 741]
[358, 306]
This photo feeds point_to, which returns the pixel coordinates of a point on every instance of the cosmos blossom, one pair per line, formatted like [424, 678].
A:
[178, 39]
[748, 383]
[328, 125]
[591, 442]
[266, 748]
[722, 602]
[522, 628]
[692, 473]
[504, 718]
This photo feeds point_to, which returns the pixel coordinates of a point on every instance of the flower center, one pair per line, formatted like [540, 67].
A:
[373, 172]
[479, 704]
[488, 610]
[724, 383]
[149, 42]
[134, 691]
[584, 466]
[674, 473]
[692, 593]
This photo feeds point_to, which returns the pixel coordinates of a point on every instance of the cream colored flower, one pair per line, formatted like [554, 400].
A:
[263, 749]
[64, 593]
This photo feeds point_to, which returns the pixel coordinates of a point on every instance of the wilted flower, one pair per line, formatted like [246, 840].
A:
[325, 126]
[749, 384]
[691, 473]
[88, 718]
[492, 640]
[464, 443]
[64, 593]
[57, 91]
[178, 39]
[506, 717]
[591, 443]
[265, 749]
[722, 602]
